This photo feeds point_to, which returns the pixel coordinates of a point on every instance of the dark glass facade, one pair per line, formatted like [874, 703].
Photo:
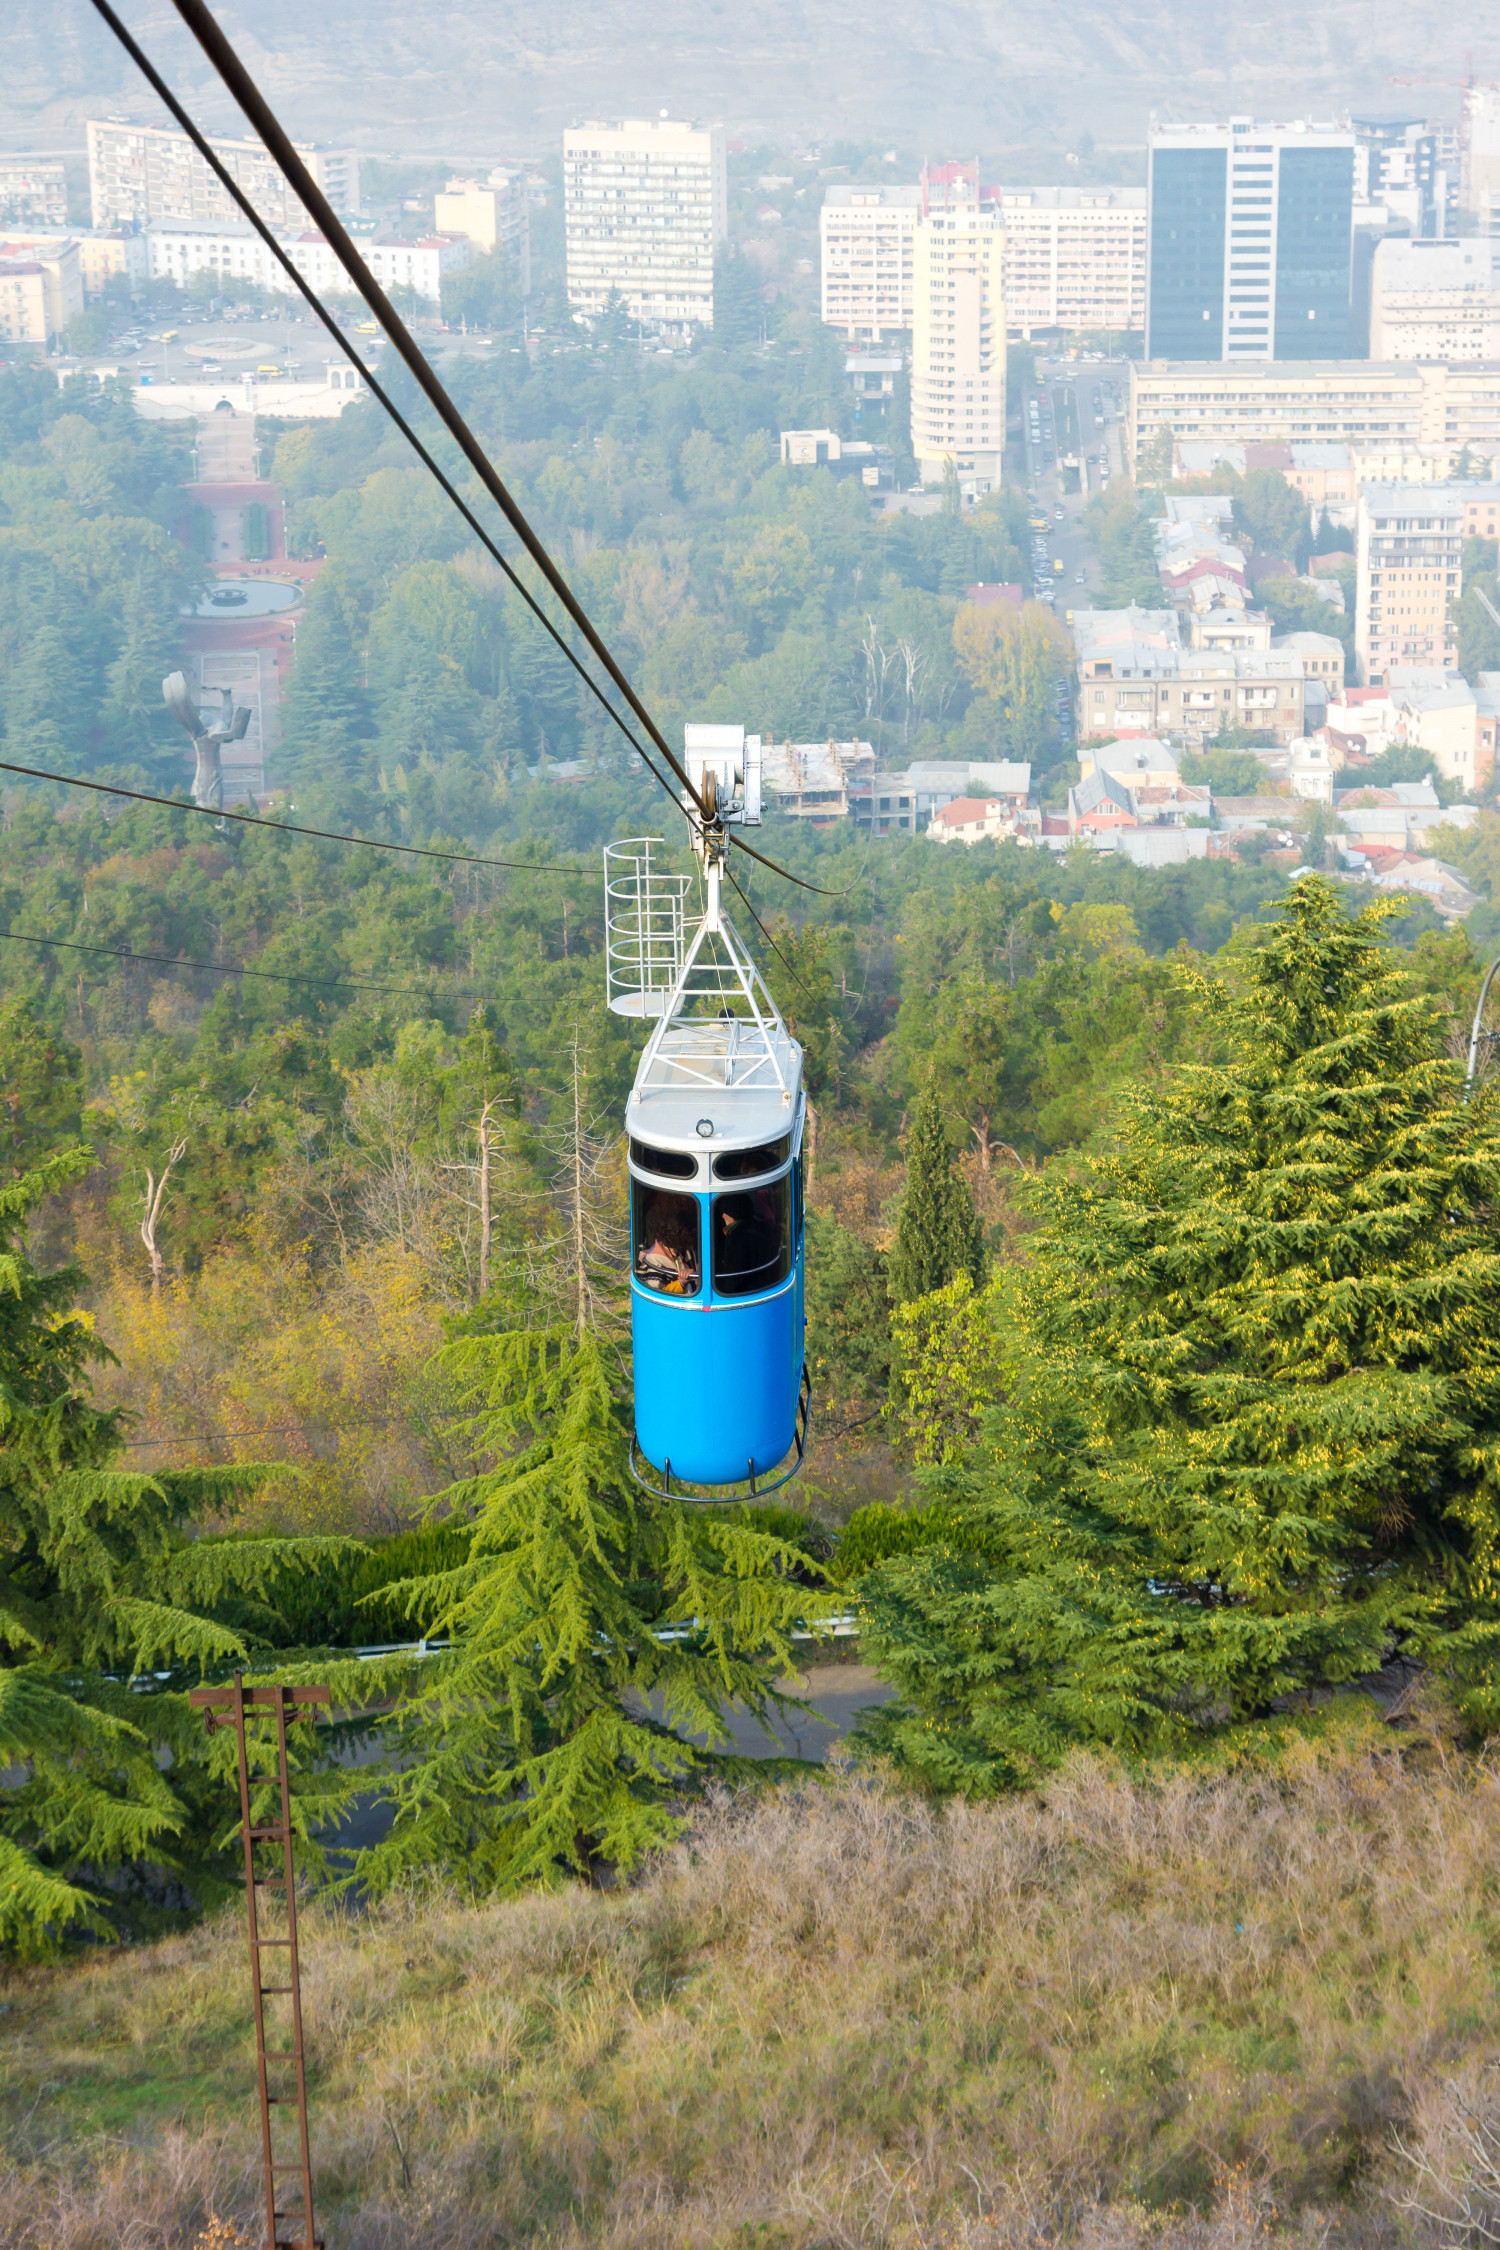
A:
[1185, 301]
[1314, 235]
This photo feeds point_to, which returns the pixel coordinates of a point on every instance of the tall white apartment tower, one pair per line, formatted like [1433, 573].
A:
[645, 206]
[958, 330]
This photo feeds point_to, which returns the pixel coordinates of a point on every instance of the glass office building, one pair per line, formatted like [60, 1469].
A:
[1249, 242]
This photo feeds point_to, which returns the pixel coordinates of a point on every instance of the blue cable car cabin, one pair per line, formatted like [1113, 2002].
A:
[717, 1274]
[714, 1121]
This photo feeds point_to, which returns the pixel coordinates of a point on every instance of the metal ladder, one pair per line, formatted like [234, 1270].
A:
[229, 1707]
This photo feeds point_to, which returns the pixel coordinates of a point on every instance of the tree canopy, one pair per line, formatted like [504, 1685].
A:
[1249, 1447]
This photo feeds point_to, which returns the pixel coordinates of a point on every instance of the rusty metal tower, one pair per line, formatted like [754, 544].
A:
[281, 2071]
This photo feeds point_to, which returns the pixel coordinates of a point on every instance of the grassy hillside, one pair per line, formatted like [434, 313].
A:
[1123, 2017]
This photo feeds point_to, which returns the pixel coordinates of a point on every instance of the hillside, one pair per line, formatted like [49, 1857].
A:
[844, 2020]
[434, 76]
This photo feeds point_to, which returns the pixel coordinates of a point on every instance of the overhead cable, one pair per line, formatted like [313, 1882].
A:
[239, 82]
[291, 828]
[233, 189]
[215, 968]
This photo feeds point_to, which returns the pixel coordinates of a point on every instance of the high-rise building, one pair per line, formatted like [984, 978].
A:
[865, 237]
[141, 173]
[1409, 551]
[1250, 239]
[1479, 158]
[1075, 258]
[958, 329]
[646, 205]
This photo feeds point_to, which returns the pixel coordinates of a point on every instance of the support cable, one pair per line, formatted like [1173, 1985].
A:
[292, 828]
[239, 82]
[218, 968]
[371, 291]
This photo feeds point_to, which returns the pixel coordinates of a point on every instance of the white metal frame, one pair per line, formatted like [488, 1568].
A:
[726, 1050]
[645, 910]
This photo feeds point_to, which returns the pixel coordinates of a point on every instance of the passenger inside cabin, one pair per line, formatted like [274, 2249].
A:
[666, 1256]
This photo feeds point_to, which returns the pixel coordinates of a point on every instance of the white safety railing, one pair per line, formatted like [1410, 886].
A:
[645, 909]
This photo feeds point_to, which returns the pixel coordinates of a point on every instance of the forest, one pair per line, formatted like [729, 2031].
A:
[1149, 1276]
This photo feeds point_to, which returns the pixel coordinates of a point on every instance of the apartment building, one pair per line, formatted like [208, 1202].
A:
[1129, 687]
[1367, 404]
[1436, 300]
[958, 331]
[866, 239]
[645, 207]
[119, 251]
[236, 255]
[1422, 464]
[1250, 241]
[33, 191]
[495, 214]
[1075, 258]
[1398, 171]
[1409, 553]
[1322, 473]
[141, 173]
[41, 288]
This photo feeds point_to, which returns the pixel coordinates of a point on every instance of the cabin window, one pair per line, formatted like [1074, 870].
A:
[745, 1163]
[664, 1233]
[670, 1162]
[752, 1239]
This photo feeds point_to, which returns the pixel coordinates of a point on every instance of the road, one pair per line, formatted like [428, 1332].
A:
[1067, 420]
[836, 1693]
[187, 346]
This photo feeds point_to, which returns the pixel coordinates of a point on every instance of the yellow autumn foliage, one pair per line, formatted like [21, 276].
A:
[257, 1357]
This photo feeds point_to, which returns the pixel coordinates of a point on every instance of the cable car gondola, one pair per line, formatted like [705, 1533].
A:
[714, 1124]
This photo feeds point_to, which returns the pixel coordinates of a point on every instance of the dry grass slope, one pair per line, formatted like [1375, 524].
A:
[1195, 2014]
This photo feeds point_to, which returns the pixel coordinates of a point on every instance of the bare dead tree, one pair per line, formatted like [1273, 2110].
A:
[589, 1256]
[156, 1189]
[486, 1208]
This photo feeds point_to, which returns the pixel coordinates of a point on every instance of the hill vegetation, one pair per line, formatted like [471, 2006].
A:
[1183, 2015]
[1149, 1257]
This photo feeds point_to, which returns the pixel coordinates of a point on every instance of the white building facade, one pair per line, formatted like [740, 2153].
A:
[866, 249]
[1075, 258]
[140, 173]
[1436, 300]
[236, 255]
[645, 207]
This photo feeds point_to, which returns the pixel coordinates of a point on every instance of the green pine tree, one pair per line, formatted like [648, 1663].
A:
[938, 1234]
[108, 1609]
[1251, 1443]
[588, 1624]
